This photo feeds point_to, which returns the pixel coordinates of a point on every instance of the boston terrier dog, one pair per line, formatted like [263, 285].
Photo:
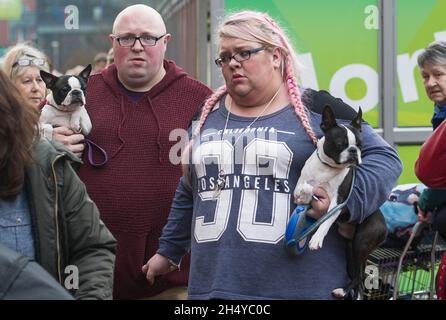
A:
[65, 103]
[331, 167]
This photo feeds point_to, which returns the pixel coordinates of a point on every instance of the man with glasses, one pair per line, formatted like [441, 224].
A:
[134, 105]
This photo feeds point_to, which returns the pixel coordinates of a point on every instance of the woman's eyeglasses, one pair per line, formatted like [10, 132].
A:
[239, 56]
[23, 62]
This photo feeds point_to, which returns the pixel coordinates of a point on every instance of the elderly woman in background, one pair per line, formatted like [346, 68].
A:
[22, 65]
[432, 202]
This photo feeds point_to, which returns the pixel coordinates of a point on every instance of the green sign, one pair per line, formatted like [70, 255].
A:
[338, 46]
[10, 9]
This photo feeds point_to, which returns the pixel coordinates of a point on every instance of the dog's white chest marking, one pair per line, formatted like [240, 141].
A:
[76, 119]
[316, 173]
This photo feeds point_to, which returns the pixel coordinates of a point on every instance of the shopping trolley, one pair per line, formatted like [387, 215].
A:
[408, 273]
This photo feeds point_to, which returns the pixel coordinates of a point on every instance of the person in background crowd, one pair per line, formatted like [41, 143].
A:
[99, 62]
[432, 64]
[134, 105]
[75, 70]
[110, 57]
[429, 167]
[45, 211]
[22, 65]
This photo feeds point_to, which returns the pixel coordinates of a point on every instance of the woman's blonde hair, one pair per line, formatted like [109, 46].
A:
[259, 27]
[18, 52]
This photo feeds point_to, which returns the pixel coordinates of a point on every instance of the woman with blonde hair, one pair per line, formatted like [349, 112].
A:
[252, 139]
[22, 64]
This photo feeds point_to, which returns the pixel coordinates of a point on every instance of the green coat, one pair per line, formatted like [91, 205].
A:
[66, 224]
[431, 199]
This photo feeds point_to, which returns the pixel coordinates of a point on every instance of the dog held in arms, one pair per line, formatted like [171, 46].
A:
[330, 167]
[66, 103]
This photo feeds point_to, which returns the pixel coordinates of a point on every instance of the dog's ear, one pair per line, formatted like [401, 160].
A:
[84, 74]
[49, 79]
[328, 119]
[356, 122]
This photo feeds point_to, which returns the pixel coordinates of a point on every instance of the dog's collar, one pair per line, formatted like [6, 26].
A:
[55, 106]
[324, 162]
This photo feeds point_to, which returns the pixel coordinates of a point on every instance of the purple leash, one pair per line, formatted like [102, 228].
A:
[90, 146]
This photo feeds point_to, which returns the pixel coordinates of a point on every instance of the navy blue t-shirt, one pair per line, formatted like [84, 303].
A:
[236, 239]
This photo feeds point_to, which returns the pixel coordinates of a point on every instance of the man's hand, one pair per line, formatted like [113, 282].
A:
[157, 266]
[69, 139]
[321, 205]
[423, 216]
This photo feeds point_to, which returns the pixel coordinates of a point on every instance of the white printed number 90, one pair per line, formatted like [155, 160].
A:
[280, 157]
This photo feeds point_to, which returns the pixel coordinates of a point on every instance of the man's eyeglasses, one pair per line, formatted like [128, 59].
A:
[23, 62]
[145, 40]
[239, 56]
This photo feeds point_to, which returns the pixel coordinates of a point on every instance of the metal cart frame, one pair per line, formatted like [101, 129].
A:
[407, 274]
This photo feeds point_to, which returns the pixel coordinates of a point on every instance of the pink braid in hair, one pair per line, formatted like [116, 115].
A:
[207, 108]
[296, 100]
[291, 83]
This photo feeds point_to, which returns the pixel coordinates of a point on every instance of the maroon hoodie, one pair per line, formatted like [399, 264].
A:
[135, 188]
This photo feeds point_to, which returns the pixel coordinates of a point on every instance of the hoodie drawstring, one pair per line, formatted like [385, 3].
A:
[123, 114]
[158, 136]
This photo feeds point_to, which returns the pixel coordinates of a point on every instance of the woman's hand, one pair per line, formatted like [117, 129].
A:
[157, 266]
[423, 216]
[321, 204]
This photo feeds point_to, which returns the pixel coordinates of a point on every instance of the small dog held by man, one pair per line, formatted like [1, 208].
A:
[331, 167]
[66, 103]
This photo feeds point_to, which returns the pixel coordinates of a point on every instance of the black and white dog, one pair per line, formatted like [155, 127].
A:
[65, 104]
[330, 167]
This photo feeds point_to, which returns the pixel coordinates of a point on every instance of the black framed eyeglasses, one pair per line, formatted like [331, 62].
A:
[23, 62]
[145, 40]
[239, 56]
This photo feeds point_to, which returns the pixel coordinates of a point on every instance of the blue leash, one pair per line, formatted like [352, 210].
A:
[301, 226]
